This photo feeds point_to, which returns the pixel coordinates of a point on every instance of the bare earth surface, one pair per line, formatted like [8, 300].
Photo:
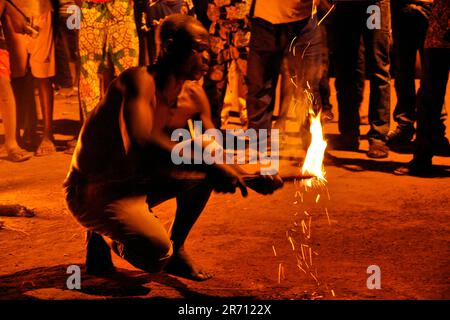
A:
[401, 224]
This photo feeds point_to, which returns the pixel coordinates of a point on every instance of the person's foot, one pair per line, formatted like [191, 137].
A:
[400, 136]
[180, 264]
[98, 255]
[377, 149]
[419, 168]
[346, 143]
[18, 154]
[45, 148]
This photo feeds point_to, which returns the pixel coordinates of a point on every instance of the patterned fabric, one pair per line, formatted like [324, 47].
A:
[99, 1]
[229, 35]
[438, 35]
[107, 35]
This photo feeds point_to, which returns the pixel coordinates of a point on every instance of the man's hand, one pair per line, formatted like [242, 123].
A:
[225, 179]
[265, 184]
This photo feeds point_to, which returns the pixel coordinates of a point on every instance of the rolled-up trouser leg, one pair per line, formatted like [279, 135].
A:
[137, 234]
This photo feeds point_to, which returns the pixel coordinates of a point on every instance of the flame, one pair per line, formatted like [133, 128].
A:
[313, 164]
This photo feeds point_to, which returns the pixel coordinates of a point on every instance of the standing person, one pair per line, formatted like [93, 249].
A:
[279, 28]
[409, 26]
[67, 59]
[432, 91]
[36, 51]
[229, 31]
[148, 14]
[122, 164]
[7, 102]
[108, 45]
[352, 22]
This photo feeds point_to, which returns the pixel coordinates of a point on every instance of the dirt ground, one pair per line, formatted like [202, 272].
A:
[401, 224]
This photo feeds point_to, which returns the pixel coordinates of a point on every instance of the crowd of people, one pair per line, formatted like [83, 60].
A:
[261, 43]
[144, 68]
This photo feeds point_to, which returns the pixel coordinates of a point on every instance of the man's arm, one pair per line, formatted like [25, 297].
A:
[139, 103]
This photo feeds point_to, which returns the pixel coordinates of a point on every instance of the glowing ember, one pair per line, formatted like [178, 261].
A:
[313, 164]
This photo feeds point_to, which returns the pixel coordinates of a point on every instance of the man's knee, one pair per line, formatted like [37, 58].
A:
[148, 257]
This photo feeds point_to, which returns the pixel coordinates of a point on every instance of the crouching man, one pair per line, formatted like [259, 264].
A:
[122, 166]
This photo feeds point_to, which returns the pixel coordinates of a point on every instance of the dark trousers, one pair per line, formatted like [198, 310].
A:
[409, 28]
[269, 43]
[66, 51]
[431, 97]
[350, 20]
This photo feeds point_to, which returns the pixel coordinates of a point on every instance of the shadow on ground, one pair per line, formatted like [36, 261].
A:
[122, 284]
[356, 165]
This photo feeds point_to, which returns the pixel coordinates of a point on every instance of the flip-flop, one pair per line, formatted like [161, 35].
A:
[18, 155]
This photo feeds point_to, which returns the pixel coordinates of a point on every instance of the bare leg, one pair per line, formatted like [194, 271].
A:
[46, 99]
[8, 113]
[26, 108]
[190, 205]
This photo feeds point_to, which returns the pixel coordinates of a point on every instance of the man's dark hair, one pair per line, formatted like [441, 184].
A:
[175, 27]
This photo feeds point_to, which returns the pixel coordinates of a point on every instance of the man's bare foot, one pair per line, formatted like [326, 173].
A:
[181, 265]
[45, 148]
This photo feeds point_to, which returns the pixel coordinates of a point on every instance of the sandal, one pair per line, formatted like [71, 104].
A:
[18, 155]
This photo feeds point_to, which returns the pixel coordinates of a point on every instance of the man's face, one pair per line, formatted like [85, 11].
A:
[196, 64]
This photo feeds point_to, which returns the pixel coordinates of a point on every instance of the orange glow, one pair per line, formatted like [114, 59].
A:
[313, 164]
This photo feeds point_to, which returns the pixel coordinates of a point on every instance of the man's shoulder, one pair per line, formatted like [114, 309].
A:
[136, 78]
[193, 89]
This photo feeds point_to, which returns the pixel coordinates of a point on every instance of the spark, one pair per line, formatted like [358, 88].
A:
[317, 198]
[328, 217]
[332, 292]
[274, 251]
[303, 253]
[329, 11]
[301, 268]
[292, 43]
[292, 243]
[279, 272]
[293, 82]
[309, 228]
[312, 275]
[304, 51]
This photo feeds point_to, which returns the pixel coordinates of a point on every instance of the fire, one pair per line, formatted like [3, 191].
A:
[313, 164]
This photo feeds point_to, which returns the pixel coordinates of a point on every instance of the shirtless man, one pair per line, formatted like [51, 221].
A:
[121, 166]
